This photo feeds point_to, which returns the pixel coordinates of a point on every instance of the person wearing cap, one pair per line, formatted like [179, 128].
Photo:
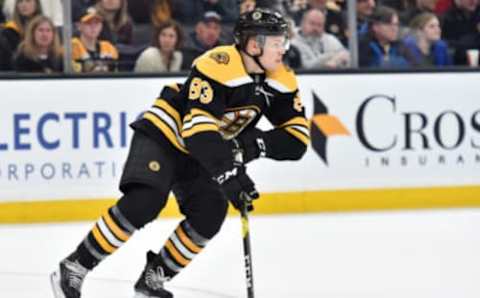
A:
[89, 54]
[205, 37]
[195, 140]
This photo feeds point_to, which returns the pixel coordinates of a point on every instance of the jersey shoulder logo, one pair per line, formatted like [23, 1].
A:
[220, 57]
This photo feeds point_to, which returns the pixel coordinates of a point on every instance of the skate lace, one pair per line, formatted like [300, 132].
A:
[75, 276]
[155, 277]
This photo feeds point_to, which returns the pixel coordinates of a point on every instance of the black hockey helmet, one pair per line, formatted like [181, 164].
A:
[259, 22]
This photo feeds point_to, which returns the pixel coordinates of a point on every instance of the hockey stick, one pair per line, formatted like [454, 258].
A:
[247, 251]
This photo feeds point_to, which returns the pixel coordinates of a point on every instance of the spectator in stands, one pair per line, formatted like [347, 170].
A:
[89, 53]
[51, 8]
[40, 51]
[13, 31]
[2, 17]
[277, 5]
[247, 5]
[334, 23]
[162, 11]
[365, 10]
[421, 6]
[282, 6]
[205, 37]
[117, 24]
[460, 28]
[380, 46]
[424, 42]
[190, 12]
[152, 11]
[398, 5]
[319, 49]
[79, 7]
[443, 6]
[163, 55]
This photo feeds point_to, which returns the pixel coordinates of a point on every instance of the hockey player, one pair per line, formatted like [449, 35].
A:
[186, 142]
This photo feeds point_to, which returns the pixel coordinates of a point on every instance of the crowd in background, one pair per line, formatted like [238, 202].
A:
[167, 35]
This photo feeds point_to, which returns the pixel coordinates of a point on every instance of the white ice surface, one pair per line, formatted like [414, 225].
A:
[427, 254]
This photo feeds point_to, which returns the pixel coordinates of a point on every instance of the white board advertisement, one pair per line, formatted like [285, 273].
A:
[68, 138]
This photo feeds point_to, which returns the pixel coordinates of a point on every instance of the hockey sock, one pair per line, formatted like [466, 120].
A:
[110, 232]
[180, 249]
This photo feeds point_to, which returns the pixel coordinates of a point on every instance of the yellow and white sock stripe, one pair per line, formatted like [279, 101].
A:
[181, 247]
[109, 233]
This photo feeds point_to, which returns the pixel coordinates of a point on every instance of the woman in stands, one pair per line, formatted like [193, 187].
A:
[425, 42]
[40, 51]
[13, 31]
[163, 55]
[118, 25]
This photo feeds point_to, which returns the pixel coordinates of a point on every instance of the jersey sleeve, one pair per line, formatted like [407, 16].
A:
[290, 137]
[206, 99]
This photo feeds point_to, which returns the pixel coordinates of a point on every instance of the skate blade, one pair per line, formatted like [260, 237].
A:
[55, 282]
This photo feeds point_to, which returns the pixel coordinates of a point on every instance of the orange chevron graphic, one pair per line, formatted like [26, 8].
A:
[330, 125]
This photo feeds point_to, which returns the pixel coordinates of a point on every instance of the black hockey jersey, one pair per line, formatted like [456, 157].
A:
[219, 100]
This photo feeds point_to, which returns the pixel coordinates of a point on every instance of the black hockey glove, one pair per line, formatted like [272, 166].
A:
[237, 187]
[250, 145]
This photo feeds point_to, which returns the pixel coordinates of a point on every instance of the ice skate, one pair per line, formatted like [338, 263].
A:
[67, 280]
[150, 283]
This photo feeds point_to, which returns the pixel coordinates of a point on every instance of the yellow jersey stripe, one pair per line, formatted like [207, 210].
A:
[296, 121]
[165, 129]
[199, 128]
[297, 134]
[162, 104]
[174, 86]
[195, 112]
[198, 112]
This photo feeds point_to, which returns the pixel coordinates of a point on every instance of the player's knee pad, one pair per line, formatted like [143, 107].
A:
[141, 204]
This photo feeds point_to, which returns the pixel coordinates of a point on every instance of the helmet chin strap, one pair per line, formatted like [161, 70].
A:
[256, 58]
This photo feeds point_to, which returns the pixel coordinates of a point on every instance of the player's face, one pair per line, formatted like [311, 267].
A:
[273, 51]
